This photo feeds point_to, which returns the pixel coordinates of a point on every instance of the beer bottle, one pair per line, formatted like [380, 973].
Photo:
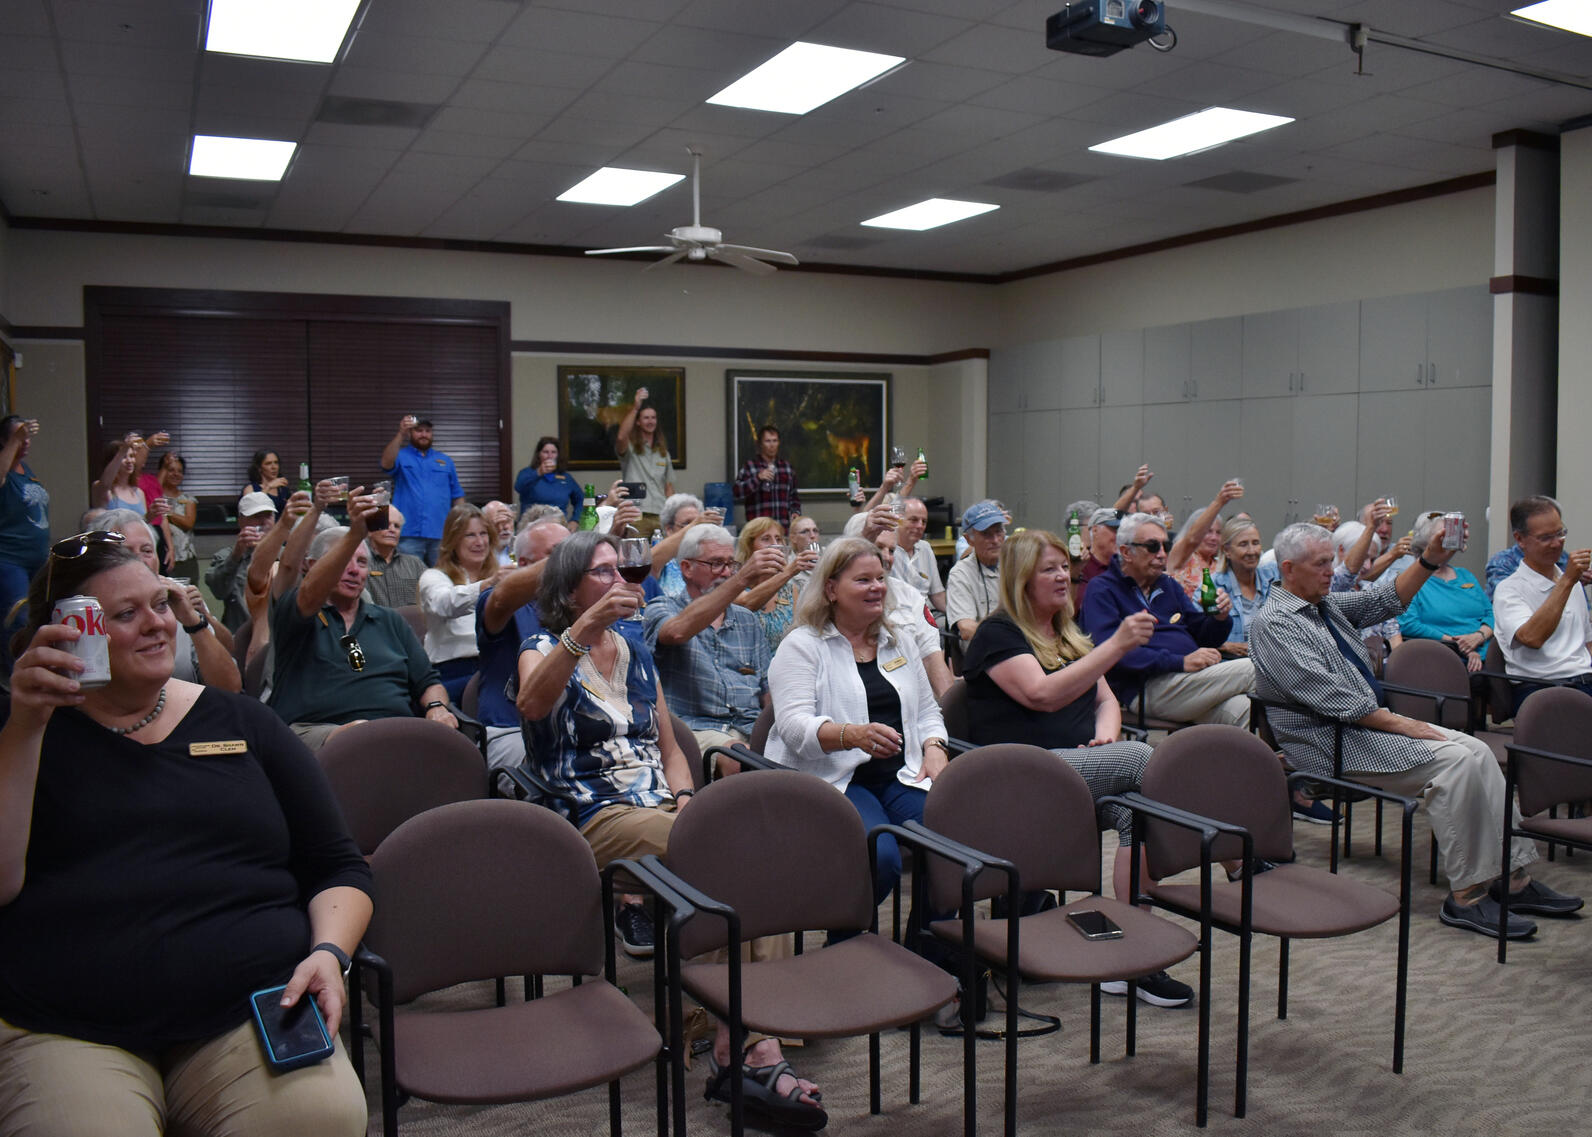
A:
[1208, 592]
[304, 479]
[1074, 537]
[588, 512]
[854, 486]
[924, 459]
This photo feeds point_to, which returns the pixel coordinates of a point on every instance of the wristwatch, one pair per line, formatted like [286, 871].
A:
[337, 953]
[436, 703]
[195, 629]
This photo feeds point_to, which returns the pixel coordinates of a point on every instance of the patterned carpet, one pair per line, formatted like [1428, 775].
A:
[1474, 1027]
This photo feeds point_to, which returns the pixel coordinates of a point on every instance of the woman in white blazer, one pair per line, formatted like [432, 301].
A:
[852, 702]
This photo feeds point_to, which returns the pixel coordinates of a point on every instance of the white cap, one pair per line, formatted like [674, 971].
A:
[256, 502]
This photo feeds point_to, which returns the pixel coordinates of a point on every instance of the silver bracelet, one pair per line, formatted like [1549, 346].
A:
[568, 643]
[843, 735]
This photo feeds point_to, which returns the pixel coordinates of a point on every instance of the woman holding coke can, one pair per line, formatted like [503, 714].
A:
[166, 850]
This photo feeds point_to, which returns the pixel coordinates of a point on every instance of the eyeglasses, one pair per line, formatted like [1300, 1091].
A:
[356, 654]
[605, 573]
[716, 566]
[1152, 546]
[70, 548]
[1556, 535]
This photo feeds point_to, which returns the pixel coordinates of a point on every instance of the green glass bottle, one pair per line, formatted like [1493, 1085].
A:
[1207, 592]
[588, 512]
[1074, 537]
[924, 458]
[304, 478]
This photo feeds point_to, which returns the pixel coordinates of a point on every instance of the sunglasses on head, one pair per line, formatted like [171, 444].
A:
[70, 548]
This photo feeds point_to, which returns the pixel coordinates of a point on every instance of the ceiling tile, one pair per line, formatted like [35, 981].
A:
[375, 137]
[130, 61]
[498, 124]
[483, 213]
[730, 53]
[517, 98]
[581, 156]
[994, 49]
[766, 17]
[167, 26]
[1038, 96]
[543, 68]
[298, 105]
[405, 206]
[395, 86]
[585, 33]
[435, 141]
[658, 10]
[41, 112]
[688, 85]
[626, 108]
[413, 53]
[19, 84]
[890, 31]
[477, 21]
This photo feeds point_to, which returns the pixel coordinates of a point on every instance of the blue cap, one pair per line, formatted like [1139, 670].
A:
[981, 515]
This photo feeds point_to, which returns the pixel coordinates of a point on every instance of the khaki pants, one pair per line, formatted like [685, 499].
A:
[54, 1086]
[1218, 694]
[707, 738]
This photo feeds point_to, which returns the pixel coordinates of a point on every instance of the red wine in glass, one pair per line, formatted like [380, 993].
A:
[635, 559]
[635, 574]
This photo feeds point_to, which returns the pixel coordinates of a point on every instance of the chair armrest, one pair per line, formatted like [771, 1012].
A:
[1289, 705]
[742, 753]
[1514, 748]
[1135, 733]
[1441, 698]
[973, 861]
[532, 784]
[959, 746]
[1209, 829]
[1407, 804]
[1183, 818]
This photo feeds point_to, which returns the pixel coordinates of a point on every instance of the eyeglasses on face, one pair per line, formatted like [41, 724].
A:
[1556, 535]
[716, 566]
[605, 573]
[1152, 546]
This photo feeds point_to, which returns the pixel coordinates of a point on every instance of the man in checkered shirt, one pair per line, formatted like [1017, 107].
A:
[1306, 646]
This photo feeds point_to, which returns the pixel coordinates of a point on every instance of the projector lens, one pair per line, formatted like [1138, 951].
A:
[1146, 13]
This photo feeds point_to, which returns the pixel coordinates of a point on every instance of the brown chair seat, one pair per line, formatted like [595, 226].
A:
[1292, 901]
[1575, 830]
[564, 1042]
[782, 996]
[1052, 951]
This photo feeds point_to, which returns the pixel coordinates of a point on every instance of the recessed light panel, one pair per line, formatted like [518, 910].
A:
[804, 76]
[930, 214]
[1190, 134]
[1568, 15]
[306, 31]
[252, 159]
[613, 185]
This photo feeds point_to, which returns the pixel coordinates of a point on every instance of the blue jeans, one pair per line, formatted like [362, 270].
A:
[423, 547]
[893, 803]
[455, 675]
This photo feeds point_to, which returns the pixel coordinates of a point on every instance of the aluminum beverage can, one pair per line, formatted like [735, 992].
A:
[93, 646]
[1453, 530]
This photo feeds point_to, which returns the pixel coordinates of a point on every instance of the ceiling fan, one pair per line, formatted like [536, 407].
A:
[698, 242]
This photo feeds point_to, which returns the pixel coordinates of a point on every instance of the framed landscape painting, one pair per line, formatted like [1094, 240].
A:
[828, 422]
[593, 401]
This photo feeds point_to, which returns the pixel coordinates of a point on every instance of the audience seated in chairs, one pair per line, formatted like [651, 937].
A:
[394, 577]
[1197, 547]
[1306, 650]
[915, 562]
[466, 564]
[597, 730]
[906, 608]
[1101, 538]
[1452, 608]
[973, 581]
[1543, 626]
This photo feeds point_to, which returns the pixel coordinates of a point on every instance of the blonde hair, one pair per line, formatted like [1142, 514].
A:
[815, 610]
[746, 544]
[1231, 530]
[453, 531]
[1062, 641]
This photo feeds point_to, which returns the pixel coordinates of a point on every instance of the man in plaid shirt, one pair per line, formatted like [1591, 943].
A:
[767, 484]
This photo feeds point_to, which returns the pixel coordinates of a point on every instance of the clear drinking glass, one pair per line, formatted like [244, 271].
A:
[635, 559]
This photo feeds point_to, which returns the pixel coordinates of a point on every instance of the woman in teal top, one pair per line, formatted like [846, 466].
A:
[1452, 607]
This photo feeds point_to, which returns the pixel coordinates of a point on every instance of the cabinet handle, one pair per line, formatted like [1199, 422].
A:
[1301, 382]
[1432, 373]
[1420, 374]
[1185, 388]
[1196, 383]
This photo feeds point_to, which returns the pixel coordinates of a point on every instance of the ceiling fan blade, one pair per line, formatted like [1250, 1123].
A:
[668, 260]
[764, 254]
[632, 249]
[730, 257]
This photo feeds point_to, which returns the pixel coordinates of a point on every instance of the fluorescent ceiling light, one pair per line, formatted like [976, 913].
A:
[1570, 15]
[254, 159]
[930, 214]
[1191, 133]
[613, 185]
[307, 31]
[804, 76]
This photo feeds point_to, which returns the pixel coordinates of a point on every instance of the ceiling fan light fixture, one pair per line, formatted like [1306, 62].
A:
[615, 185]
[930, 214]
[804, 76]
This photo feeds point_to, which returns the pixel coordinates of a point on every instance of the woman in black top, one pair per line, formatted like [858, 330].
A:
[1033, 676]
[165, 850]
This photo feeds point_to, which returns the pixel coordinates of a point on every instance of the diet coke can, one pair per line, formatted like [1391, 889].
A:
[1453, 530]
[93, 646]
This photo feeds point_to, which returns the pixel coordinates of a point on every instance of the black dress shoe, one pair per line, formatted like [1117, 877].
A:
[1538, 899]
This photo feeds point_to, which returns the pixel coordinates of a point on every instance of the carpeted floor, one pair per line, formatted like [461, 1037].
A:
[1490, 1049]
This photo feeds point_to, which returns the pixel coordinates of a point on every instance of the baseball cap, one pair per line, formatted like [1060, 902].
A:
[256, 502]
[981, 515]
[1108, 517]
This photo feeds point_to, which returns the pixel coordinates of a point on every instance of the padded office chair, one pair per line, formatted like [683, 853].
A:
[416, 622]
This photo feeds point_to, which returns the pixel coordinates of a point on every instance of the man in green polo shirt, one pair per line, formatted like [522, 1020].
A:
[340, 661]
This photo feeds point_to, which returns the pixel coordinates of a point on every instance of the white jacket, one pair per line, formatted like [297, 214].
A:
[814, 680]
[449, 611]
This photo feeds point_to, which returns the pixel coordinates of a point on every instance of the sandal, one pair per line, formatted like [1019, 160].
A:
[758, 1095]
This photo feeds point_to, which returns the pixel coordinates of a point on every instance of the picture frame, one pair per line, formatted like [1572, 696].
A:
[829, 421]
[593, 400]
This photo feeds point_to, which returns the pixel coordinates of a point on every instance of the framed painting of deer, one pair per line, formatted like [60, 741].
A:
[593, 401]
[828, 422]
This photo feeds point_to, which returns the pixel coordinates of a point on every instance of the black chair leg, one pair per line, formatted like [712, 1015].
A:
[1379, 827]
[614, 1122]
[1094, 1025]
[1282, 979]
[1433, 873]
[874, 1105]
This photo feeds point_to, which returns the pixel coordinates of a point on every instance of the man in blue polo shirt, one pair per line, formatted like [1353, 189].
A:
[424, 486]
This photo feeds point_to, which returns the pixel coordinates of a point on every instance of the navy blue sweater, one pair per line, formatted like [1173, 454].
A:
[1180, 626]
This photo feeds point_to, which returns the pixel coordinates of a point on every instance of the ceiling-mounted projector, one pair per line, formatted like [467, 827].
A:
[1104, 27]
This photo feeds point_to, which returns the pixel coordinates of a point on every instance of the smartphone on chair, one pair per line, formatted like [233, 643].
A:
[1093, 924]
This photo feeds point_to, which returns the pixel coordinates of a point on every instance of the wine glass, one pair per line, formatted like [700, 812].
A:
[635, 559]
[898, 455]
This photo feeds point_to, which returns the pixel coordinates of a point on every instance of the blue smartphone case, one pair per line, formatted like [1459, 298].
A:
[288, 1050]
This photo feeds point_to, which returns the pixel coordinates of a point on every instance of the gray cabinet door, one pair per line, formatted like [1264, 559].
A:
[1458, 444]
[1271, 354]
[1324, 453]
[1393, 343]
[1121, 450]
[1329, 349]
[1122, 368]
[1006, 473]
[1006, 368]
[1392, 458]
[1044, 385]
[1167, 376]
[1079, 362]
[1166, 449]
[1213, 427]
[1265, 462]
[1216, 358]
[1062, 453]
[1459, 338]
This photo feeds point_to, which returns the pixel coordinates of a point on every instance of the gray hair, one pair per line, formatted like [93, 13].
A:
[1292, 542]
[566, 568]
[117, 521]
[540, 513]
[1430, 522]
[1084, 509]
[1344, 537]
[699, 535]
[322, 542]
[522, 543]
[1128, 529]
[673, 504]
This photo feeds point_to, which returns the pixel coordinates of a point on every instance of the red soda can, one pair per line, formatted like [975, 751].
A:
[93, 646]
[1453, 530]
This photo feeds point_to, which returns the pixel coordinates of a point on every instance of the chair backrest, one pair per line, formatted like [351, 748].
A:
[765, 723]
[1224, 773]
[693, 752]
[240, 643]
[1432, 666]
[784, 849]
[1557, 719]
[479, 889]
[416, 622]
[385, 771]
[1021, 803]
[470, 697]
[953, 708]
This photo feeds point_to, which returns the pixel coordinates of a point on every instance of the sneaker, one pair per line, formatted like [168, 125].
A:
[1539, 900]
[1317, 812]
[1259, 865]
[633, 923]
[1482, 917]
[1159, 990]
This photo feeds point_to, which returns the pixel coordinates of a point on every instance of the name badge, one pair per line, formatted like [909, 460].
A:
[211, 749]
[746, 670]
[1467, 584]
[1176, 616]
[898, 661]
